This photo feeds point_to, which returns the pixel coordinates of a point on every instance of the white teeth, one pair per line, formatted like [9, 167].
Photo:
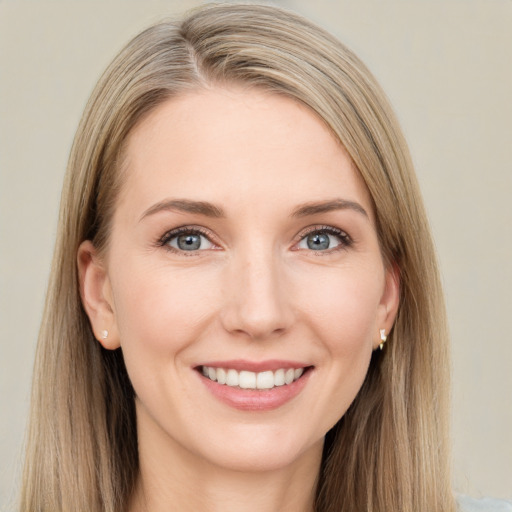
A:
[251, 380]
[288, 376]
[279, 378]
[247, 380]
[232, 378]
[221, 376]
[265, 380]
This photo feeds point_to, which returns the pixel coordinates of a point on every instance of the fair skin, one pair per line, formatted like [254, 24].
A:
[280, 269]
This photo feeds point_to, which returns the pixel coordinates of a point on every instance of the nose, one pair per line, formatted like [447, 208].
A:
[257, 298]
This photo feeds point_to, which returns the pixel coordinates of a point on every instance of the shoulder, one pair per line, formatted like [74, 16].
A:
[467, 504]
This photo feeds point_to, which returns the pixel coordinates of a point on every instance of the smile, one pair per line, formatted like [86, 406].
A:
[255, 386]
[252, 380]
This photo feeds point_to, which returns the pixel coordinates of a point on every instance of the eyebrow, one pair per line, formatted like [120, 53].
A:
[187, 206]
[210, 210]
[315, 208]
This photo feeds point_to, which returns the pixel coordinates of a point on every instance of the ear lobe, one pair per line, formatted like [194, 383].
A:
[96, 294]
[390, 300]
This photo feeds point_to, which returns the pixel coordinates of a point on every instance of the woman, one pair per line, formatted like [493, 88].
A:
[244, 309]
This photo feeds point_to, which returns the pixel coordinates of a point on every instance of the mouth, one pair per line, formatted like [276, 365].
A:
[255, 386]
[255, 381]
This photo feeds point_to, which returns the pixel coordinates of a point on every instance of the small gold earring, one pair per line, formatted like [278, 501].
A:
[383, 338]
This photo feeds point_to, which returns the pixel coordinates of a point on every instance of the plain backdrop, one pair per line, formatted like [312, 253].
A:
[446, 66]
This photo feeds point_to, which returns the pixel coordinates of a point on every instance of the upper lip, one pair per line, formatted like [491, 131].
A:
[255, 366]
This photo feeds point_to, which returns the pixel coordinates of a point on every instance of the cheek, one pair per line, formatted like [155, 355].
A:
[344, 322]
[160, 311]
[343, 306]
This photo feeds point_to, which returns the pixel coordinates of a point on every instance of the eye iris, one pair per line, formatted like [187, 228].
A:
[189, 242]
[318, 241]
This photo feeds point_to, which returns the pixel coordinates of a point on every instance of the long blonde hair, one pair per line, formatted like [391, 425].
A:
[390, 450]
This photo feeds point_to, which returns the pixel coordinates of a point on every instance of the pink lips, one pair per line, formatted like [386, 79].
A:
[251, 399]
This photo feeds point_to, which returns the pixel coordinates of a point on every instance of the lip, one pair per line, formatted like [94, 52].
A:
[256, 400]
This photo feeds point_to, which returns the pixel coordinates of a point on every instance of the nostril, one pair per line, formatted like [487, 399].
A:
[269, 320]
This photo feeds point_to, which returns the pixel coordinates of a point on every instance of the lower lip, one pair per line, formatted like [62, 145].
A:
[256, 400]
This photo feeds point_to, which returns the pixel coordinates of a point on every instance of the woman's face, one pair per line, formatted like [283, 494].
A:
[243, 247]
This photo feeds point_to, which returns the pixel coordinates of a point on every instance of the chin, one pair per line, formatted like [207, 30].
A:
[261, 452]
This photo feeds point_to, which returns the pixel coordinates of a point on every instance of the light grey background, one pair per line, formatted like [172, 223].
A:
[446, 65]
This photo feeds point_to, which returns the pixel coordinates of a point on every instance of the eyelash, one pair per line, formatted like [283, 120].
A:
[345, 240]
[192, 230]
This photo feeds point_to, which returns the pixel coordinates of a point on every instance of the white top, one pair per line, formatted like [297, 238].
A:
[467, 504]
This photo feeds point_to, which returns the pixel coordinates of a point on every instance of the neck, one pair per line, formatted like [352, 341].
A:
[172, 476]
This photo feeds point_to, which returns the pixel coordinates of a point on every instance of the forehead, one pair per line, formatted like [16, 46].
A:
[237, 145]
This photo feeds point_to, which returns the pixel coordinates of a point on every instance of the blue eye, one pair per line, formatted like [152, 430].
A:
[187, 241]
[324, 239]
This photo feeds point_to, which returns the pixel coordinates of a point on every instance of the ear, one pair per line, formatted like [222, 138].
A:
[96, 294]
[390, 300]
